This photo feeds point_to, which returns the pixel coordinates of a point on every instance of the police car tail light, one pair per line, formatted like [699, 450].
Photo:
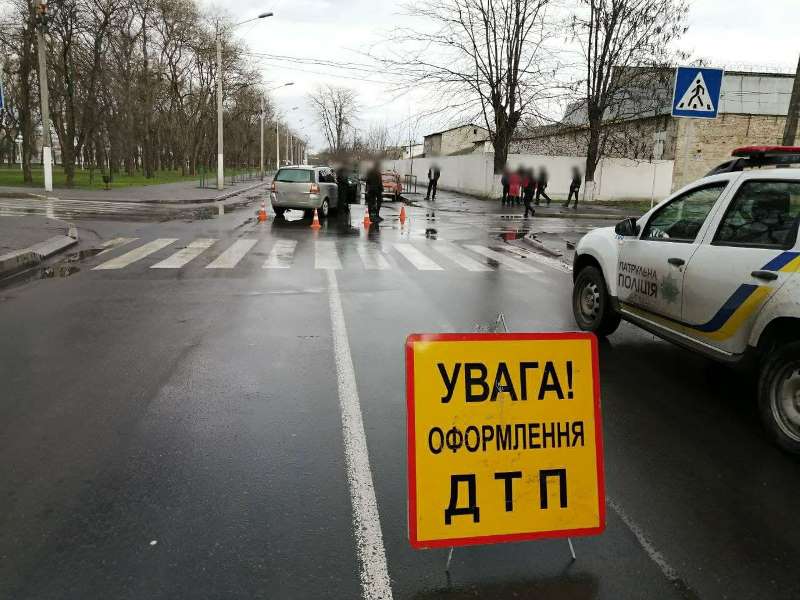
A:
[314, 189]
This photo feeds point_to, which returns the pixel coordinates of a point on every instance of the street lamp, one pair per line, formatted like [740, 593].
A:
[262, 123]
[220, 157]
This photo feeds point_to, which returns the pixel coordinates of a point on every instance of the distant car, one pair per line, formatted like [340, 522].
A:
[305, 188]
[392, 186]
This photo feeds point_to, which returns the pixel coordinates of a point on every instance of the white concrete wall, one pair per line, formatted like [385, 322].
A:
[616, 178]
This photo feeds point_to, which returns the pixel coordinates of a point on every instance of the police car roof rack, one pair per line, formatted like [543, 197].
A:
[749, 157]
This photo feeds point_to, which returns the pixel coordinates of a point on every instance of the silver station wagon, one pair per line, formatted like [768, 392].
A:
[305, 188]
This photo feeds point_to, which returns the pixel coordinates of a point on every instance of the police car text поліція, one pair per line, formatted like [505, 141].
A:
[712, 268]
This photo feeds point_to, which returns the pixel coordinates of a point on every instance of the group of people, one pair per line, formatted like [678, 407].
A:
[523, 186]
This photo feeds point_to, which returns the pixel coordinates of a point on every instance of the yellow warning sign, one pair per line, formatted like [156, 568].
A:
[504, 438]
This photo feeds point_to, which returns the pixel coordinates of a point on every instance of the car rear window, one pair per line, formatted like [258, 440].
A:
[295, 176]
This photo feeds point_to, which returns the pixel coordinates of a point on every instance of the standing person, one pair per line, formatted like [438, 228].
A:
[374, 191]
[541, 186]
[528, 190]
[514, 187]
[504, 183]
[574, 186]
[433, 182]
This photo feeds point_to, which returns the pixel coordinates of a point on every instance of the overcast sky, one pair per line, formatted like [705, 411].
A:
[734, 34]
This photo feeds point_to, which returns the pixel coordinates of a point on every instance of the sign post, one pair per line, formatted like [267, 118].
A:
[504, 438]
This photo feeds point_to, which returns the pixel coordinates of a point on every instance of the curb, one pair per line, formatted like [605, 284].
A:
[558, 215]
[210, 200]
[534, 243]
[26, 258]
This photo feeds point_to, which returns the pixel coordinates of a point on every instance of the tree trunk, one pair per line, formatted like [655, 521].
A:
[592, 157]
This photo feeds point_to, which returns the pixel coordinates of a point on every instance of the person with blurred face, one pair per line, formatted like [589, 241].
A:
[528, 191]
[374, 191]
[574, 186]
[514, 187]
[541, 186]
[433, 181]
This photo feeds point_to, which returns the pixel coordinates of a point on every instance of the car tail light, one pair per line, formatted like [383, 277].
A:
[274, 187]
[314, 189]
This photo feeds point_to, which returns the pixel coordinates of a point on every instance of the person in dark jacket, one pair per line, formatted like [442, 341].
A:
[541, 186]
[574, 186]
[374, 191]
[504, 183]
[433, 181]
[528, 191]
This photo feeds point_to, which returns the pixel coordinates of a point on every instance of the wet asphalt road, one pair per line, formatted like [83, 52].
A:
[176, 433]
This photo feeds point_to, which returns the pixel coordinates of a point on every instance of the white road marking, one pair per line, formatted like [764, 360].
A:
[115, 243]
[417, 258]
[503, 259]
[669, 572]
[184, 255]
[281, 255]
[375, 582]
[136, 254]
[231, 257]
[462, 260]
[326, 256]
[372, 258]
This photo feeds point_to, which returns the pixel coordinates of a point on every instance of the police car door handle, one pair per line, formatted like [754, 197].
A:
[676, 262]
[765, 275]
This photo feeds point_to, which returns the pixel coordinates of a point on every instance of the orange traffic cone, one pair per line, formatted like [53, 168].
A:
[262, 213]
[315, 223]
[367, 222]
[402, 215]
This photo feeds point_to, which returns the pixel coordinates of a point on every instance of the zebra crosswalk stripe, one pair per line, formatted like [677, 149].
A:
[503, 259]
[231, 257]
[281, 255]
[184, 255]
[417, 258]
[136, 254]
[372, 258]
[115, 243]
[326, 256]
[462, 260]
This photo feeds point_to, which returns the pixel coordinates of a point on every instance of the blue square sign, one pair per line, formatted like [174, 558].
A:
[697, 91]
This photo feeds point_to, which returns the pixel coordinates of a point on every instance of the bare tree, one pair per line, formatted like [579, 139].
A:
[336, 109]
[626, 46]
[486, 59]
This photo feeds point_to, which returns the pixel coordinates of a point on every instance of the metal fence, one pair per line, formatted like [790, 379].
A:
[208, 179]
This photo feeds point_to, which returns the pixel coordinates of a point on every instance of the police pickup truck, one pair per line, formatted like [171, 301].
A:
[712, 268]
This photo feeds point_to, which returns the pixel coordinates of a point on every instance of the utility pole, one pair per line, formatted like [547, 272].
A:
[40, 8]
[790, 131]
[277, 145]
[261, 161]
[220, 157]
[288, 146]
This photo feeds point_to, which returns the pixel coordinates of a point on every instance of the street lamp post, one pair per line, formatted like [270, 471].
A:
[220, 153]
[40, 7]
[262, 128]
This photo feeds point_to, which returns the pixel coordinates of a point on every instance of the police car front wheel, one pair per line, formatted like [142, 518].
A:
[779, 396]
[591, 304]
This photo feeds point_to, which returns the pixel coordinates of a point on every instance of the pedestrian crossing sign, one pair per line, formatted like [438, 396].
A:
[697, 92]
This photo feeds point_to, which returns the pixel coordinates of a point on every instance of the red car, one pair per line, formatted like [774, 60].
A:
[392, 186]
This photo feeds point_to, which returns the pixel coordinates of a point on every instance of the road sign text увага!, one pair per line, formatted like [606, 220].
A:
[504, 438]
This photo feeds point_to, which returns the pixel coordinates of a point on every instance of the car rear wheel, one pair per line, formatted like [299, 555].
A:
[779, 396]
[591, 303]
[278, 211]
[324, 209]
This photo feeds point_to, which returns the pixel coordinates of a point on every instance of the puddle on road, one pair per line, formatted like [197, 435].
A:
[64, 268]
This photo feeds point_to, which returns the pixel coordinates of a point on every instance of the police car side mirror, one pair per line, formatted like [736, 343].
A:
[627, 228]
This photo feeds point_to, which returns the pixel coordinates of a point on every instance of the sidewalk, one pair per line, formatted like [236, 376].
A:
[183, 192]
[448, 201]
[27, 241]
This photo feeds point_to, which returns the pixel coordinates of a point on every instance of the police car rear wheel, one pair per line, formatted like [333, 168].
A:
[779, 396]
[591, 304]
